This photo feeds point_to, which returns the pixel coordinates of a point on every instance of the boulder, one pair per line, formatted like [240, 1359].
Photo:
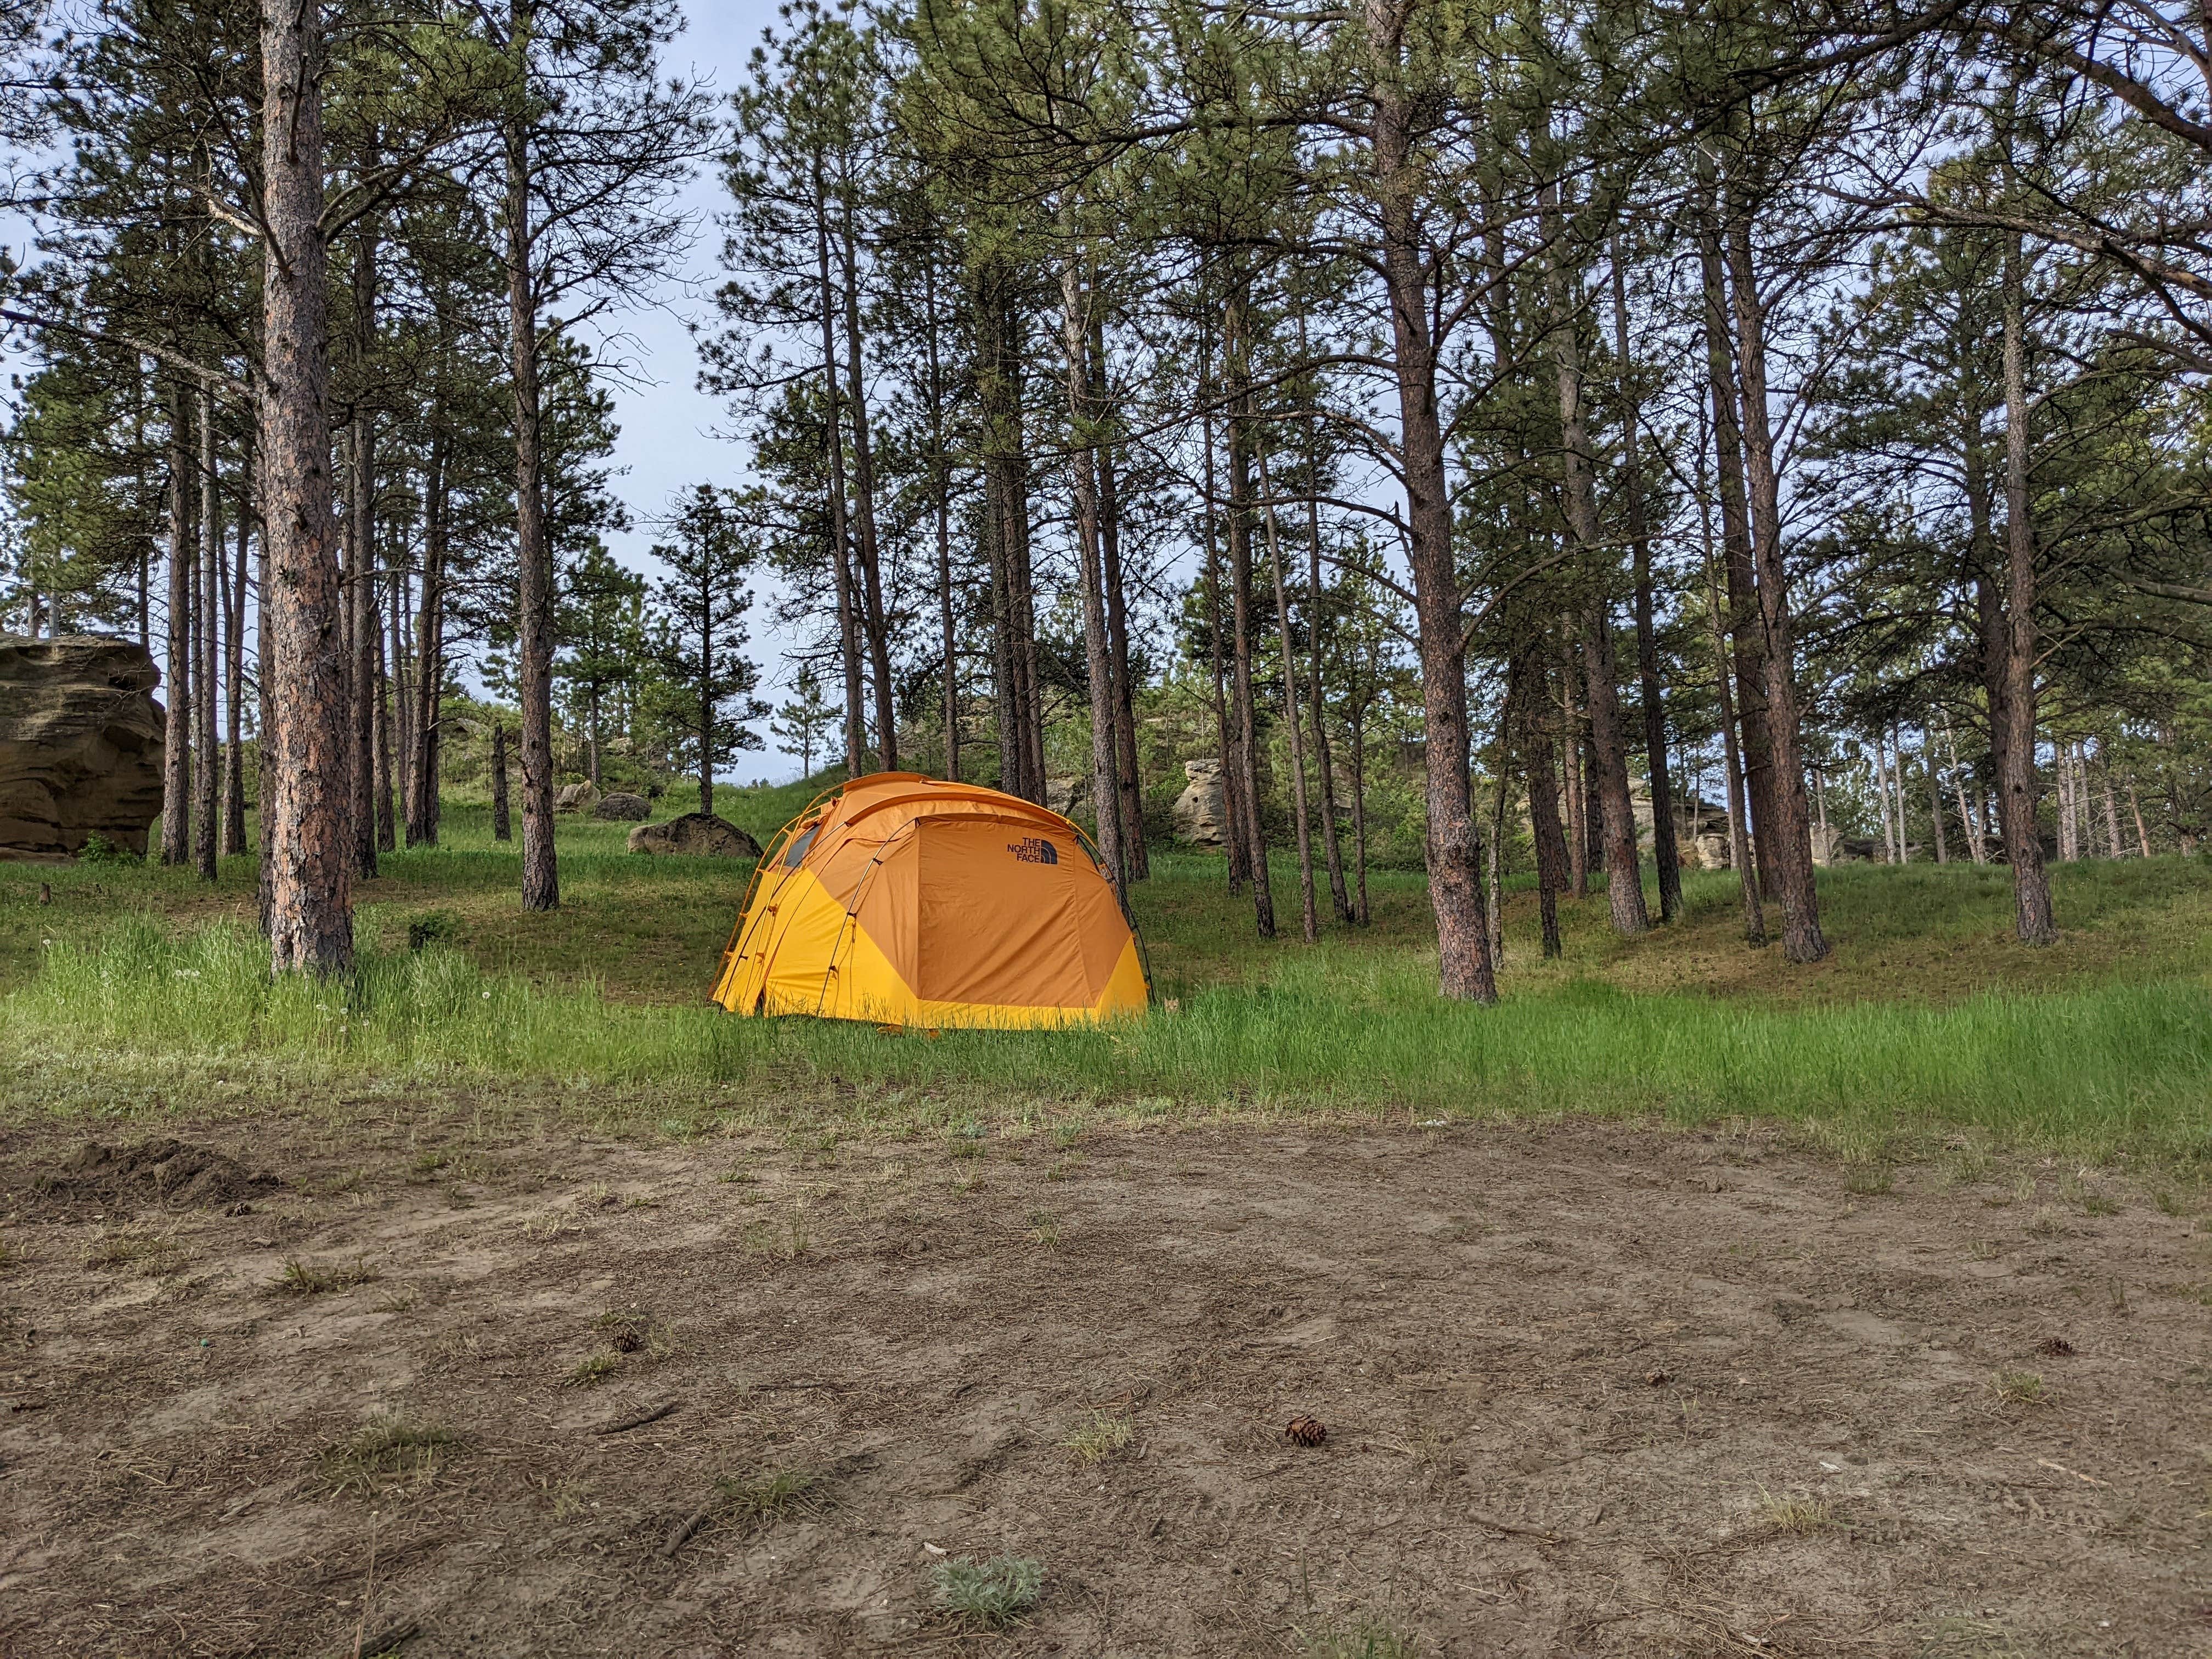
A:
[1201, 812]
[1064, 795]
[696, 834]
[80, 744]
[623, 808]
[576, 797]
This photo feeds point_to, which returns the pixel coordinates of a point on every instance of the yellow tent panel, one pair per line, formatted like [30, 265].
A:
[910, 901]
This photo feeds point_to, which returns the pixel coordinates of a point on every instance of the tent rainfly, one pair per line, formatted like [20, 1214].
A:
[909, 901]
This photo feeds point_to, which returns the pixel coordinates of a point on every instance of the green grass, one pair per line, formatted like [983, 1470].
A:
[139, 988]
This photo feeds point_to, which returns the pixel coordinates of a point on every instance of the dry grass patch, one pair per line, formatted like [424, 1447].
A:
[1098, 1436]
[1794, 1513]
[146, 1252]
[301, 1277]
[2019, 1390]
[388, 1452]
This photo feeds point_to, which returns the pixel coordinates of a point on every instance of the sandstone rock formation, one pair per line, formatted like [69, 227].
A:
[696, 834]
[623, 808]
[1201, 812]
[80, 744]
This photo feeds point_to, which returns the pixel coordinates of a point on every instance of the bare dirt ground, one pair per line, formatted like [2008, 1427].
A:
[1588, 1389]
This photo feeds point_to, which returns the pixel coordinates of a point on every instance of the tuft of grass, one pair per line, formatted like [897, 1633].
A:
[1044, 1229]
[1365, 1638]
[785, 1241]
[1794, 1513]
[636, 1333]
[758, 1501]
[389, 1451]
[1869, 1179]
[593, 1369]
[993, 1594]
[1098, 1436]
[145, 1251]
[301, 1277]
[2019, 1388]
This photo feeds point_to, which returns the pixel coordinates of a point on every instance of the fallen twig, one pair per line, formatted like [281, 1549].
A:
[652, 1414]
[1546, 1534]
[685, 1530]
[380, 1640]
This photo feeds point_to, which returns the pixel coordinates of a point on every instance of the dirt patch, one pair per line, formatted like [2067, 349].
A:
[1587, 1390]
[174, 1174]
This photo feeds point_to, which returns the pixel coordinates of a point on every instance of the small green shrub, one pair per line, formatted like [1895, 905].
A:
[98, 849]
[993, 1594]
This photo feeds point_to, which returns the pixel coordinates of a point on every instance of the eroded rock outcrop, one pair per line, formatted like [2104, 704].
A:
[696, 834]
[80, 744]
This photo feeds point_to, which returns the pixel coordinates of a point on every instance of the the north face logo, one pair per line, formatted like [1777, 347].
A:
[1034, 850]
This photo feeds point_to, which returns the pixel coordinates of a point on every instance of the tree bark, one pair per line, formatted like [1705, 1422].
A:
[365, 614]
[1455, 883]
[1309, 922]
[207, 772]
[1240, 601]
[1233, 808]
[864, 497]
[541, 874]
[1664, 852]
[1525, 676]
[501, 829]
[184, 560]
[428, 725]
[940, 491]
[1801, 939]
[2030, 883]
[310, 860]
[1624, 878]
[1740, 853]
[1935, 793]
[1735, 540]
[1315, 702]
[1098, 651]
[233, 624]
[1134, 854]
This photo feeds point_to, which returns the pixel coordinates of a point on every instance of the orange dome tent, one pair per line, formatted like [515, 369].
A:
[906, 899]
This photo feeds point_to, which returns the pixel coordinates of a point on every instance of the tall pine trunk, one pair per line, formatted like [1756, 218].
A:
[1238, 843]
[2030, 883]
[1309, 922]
[1117, 609]
[1465, 971]
[184, 562]
[1525, 679]
[1097, 652]
[307, 791]
[207, 770]
[541, 876]
[864, 497]
[502, 828]
[1792, 841]
[1316, 701]
[1241, 638]
[1664, 852]
[429, 650]
[234, 626]
[1735, 537]
[367, 617]
[1624, 878]
[940, 493]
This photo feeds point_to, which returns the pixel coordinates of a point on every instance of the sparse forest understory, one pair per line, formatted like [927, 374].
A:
[1594, 448]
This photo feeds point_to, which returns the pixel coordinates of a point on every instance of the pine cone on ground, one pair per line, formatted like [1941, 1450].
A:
[1306, 1430]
